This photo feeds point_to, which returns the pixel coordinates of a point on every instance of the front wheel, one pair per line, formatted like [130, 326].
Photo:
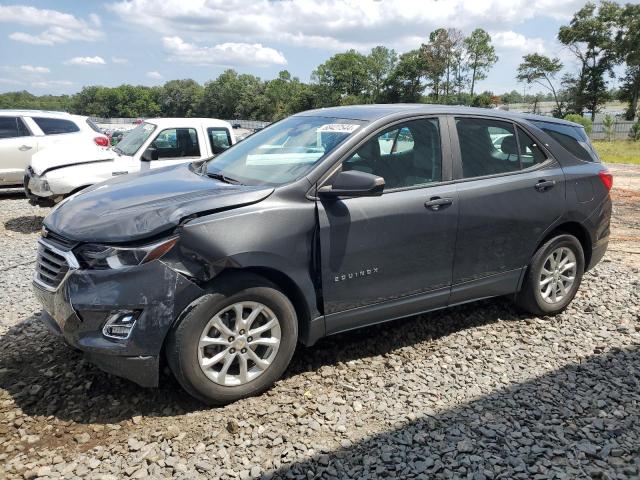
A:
[236, 342]
[553, 276]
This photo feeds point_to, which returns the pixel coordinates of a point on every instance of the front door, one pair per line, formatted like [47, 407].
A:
[510, 192]
[382, 251]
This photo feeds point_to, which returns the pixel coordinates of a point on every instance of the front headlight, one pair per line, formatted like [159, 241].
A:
[110, 257]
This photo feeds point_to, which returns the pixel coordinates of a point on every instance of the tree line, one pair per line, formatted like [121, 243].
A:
[446, 69]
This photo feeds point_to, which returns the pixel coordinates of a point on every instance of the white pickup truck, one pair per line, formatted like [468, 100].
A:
[56, 173]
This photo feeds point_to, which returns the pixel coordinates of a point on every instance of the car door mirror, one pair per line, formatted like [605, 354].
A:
[353, 183]
[149, 154]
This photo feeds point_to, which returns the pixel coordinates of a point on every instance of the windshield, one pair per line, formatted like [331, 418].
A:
[283, 152]
[133, 139]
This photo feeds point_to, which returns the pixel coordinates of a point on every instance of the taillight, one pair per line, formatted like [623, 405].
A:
[101, 141]
[606, 178]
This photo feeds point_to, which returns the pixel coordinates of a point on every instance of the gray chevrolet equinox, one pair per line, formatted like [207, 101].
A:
[326, 221]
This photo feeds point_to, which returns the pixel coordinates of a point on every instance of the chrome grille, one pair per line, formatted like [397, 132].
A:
[52, 265]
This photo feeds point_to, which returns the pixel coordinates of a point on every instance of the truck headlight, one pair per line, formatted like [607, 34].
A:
[101, 257]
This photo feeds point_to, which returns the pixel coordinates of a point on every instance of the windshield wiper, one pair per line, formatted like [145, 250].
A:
[223, 178]
[118, 151]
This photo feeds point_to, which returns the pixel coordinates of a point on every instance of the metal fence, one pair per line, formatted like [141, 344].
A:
[620, 130]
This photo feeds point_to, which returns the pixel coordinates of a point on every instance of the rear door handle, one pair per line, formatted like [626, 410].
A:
[544, 185]
[24, 148]
[436, 202]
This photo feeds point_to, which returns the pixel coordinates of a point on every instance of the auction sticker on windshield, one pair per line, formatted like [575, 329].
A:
[338, 128]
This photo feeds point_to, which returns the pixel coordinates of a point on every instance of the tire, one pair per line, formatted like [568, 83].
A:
[184, 353]
[530, 297]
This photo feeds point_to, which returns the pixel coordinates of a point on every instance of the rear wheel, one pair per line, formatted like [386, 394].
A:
[553, 276]
[236, 342]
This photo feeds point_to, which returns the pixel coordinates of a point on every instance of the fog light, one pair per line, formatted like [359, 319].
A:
[119, 325]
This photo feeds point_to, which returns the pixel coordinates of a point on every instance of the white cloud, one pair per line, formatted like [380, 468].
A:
[513, 40]
[226, 54]
[155, 75]
[34, 69]
[330, 24]
[119, 60]
[9, 81]
[86, 61]
[52, 83]
[59, 27]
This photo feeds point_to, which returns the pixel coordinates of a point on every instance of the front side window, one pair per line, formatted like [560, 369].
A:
[12, 127]
[55, 126]
[405, 155]
[219, 139]
[283, 152]
[177, 143]
[134, 139]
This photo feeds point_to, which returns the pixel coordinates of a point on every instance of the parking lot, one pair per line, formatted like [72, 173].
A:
[478, 391]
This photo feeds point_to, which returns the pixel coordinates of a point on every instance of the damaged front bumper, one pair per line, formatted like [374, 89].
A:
[78, 307]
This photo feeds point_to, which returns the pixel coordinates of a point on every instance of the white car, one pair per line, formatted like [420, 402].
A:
[25, 132]
[58, 172]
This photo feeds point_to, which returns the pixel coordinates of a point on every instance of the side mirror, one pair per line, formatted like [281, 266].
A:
[149, 154]
[353, 183]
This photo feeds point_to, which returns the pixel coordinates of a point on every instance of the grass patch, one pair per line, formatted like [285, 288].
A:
[618, 151]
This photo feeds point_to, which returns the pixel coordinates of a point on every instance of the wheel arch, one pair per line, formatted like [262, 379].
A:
[572, 228]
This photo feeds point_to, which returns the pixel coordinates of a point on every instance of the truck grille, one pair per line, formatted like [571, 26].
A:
[52, 265]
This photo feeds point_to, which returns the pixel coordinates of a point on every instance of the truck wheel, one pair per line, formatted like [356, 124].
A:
[553, 276]
[235, 342]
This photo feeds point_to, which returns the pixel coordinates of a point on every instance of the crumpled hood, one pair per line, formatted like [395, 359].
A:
[69, 153]
[137, 206]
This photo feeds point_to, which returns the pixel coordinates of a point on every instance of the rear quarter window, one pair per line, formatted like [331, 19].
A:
[55, 126]
[573, 139]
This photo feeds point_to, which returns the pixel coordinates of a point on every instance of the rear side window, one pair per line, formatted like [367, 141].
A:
[12, 127]
[487, 147]
[530, 153]
[177, 143]
[219, 138]
[573, 139]
[55, 126]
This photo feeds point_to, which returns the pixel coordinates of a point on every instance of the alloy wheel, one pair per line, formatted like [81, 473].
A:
[558, 275]
[239, 343]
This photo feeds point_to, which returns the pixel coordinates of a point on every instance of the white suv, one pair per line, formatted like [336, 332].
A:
[25, 132]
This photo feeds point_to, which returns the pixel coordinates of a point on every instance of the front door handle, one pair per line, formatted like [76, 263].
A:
[24, 148]
[435, 203]
[544, 185]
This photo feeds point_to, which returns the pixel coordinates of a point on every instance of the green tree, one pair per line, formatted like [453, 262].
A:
[608, 123]
[628, 44]
[590, 37]
[382, 61]
[405, 81]
[234, 96]
[344, 75]
[435, 56]
[181, 98]
[481, 55]
[542, 70]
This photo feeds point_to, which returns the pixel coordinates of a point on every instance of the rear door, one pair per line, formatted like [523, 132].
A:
[392, 252]
[16, 147]
[510, 192]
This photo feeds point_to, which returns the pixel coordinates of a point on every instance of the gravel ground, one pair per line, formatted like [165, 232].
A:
[479, 391]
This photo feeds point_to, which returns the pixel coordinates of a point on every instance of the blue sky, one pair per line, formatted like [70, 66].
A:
[59, 47]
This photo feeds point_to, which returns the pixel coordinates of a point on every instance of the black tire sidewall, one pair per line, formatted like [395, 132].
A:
[183, 345]
[565, 240]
